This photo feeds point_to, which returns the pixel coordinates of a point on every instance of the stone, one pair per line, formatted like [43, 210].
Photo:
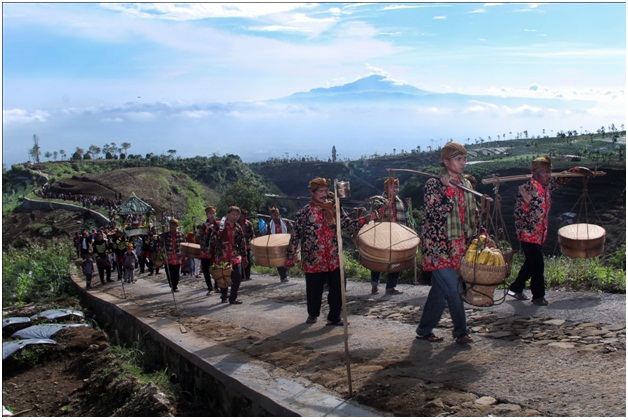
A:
[505, 408]
[562, 345]
[486, 401]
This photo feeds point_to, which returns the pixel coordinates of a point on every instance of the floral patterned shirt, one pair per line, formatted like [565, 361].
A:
[173, 241]
[531, 220]
[439, 251]
[317, 240]
[229, 244]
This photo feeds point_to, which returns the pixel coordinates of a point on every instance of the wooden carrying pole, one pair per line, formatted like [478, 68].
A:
[462, 187]
[345, 321]
[499, 179]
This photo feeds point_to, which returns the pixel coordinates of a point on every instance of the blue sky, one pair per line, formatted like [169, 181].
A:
[174, 76]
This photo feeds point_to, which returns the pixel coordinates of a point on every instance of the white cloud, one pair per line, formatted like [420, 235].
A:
[196, 11]
[20, 116]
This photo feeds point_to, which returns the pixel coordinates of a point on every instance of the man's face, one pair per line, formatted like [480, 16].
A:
[276, 215]
[392, 190]
[320, 195]
[233, 216]
[211, 215]
[542, 177]
[456, 164]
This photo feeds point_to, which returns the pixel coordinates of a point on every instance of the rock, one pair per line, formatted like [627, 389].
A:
[562, 345]
[506, 408]
[485, 401]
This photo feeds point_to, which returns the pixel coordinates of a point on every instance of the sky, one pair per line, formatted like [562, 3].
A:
[197, 77]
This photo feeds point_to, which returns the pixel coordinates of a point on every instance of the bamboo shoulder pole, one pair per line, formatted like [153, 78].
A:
[342, 287]
[499, 179]
[462, 187]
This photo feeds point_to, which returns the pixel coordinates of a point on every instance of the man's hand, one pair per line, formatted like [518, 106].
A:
[581, 170]
[525, 194]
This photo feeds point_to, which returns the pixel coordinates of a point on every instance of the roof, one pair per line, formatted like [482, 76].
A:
[133, 205]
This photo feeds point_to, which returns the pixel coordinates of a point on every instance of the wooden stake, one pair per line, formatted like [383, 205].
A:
[342, 286]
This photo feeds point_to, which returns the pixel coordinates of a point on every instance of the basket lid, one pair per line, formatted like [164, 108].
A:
[581, 231]
[388, 235]
[277, 239]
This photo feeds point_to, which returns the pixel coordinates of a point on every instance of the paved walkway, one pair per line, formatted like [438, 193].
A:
[586, 329]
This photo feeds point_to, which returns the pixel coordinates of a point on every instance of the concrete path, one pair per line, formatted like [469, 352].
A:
[277, 310]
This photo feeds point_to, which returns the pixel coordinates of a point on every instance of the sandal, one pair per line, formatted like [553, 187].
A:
[464, 339]
[430, 337]
[335, 324]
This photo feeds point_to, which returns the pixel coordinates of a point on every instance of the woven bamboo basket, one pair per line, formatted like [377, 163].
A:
[222, 276]
[270, 250]
[582, 240]
[484, 275]
[479, 295]
[190, 250]
[387, 246]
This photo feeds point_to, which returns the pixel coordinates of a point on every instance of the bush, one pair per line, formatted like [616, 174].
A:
[36, 272]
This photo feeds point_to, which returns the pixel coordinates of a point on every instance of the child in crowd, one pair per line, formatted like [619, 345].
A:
[88, 270]
[130, 259]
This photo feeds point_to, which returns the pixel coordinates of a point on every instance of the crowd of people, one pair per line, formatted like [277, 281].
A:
[86, 200]
[452, 218]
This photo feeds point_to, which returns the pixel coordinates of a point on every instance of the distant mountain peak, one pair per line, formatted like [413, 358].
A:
[374, 84]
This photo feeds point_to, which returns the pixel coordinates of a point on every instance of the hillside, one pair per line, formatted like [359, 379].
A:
[187, 185]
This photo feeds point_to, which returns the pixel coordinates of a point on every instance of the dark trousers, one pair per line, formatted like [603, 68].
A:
[314, 286]
[205, 264]
[102, 271]
[173, 272]
[236, 278]
[142, 262]
[283, 273]
[533, 268]
[247, 270]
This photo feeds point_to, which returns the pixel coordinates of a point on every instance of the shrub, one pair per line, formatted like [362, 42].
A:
[36, 272]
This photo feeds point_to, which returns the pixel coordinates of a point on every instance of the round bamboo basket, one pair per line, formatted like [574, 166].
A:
[582, 240]
[479, 295]
[222, 276]
[270, 250]
[387, 245]
[480, 274]
[384, 266]
[190, 250]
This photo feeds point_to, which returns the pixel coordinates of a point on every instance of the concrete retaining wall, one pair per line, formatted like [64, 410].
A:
[228, 382]
[30, 204]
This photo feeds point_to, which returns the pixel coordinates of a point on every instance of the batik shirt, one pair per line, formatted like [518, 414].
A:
[531, 220]
[229, 245]
[438, 249]
[317, 240]
[173, 241]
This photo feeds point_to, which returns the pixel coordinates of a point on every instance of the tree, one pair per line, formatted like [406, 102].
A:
[35, 152]
[333, 154]
[55, 154]
[48, 155]
[172, 153]
[78, 154]
[94, 151]
[242, 193]
[125, 146]
[62, 153]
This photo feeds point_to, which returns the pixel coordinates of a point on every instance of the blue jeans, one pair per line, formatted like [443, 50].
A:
[391, 281]
[444, 291]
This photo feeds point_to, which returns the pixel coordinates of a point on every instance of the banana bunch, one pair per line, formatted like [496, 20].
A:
[478, 252]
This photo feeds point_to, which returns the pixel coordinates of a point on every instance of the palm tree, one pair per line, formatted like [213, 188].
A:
[62, 153]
